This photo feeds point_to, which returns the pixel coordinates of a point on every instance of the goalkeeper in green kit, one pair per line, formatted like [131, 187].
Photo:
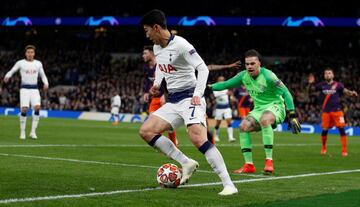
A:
[269, 95]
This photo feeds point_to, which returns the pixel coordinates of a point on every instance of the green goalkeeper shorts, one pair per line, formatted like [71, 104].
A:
[277, 109]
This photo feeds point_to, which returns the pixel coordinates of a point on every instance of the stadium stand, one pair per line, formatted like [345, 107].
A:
[85, 64]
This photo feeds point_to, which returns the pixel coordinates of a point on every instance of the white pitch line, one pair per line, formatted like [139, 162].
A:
[57, 197]
[109, 163]
[143, 145]
[76, 160]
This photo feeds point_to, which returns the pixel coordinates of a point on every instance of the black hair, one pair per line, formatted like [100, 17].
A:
[253, 53]
[328, 68]
[148, 47]
[154, 17]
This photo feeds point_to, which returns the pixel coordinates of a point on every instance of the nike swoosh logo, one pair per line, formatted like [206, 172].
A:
[192, 118]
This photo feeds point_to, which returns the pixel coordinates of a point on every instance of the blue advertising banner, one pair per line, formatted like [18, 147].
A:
[186, 21]
[9, 111]
[101, 116]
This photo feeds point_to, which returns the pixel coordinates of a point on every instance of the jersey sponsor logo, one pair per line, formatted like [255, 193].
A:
[254, 93]
[166, 68]
[328, 91]
[31, 71]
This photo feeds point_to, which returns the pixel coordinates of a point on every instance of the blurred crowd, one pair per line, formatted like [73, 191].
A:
[85, 81]
[86, 65]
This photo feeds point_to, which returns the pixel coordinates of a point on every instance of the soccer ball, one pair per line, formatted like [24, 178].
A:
[169, 176]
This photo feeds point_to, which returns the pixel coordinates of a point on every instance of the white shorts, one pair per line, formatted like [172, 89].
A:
[221, 114]
[183, 112]
[29, 96]
[115, 110]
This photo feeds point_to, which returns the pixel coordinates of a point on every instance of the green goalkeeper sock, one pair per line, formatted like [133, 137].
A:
[268, 140]
[245, 144]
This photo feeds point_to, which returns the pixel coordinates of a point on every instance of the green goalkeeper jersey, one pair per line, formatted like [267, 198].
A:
[265, 89]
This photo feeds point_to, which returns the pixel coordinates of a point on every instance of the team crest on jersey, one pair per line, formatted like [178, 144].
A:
[192, 51]
[262, 87]
[166, 68]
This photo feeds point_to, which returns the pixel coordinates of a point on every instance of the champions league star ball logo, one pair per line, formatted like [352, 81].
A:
[200, 20]
[105, 20]
[17, 21]
[309, 20]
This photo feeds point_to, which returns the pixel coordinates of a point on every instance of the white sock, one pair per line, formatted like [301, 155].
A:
[166, 146]
[230, 133]
[216, 161]
[22, 123]
[35, 122]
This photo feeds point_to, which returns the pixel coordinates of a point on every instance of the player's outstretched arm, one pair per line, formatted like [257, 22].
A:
[6, 79]
[350, 93]
[233, 82]
[235, 65]
[13, 70]
[311, 87]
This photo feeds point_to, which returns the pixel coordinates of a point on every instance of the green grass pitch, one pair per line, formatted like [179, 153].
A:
[90, 163]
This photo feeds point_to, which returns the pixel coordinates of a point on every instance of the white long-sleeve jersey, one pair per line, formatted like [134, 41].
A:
[116, 101]
[222, 97]
[177, 63]
[29, 71]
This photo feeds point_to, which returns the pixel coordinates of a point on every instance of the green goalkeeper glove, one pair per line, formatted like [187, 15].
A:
[293, 124]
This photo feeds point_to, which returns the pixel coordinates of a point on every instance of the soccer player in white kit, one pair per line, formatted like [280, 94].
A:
[177, 61]
[30, 69]
[223, 111]
[115, 106]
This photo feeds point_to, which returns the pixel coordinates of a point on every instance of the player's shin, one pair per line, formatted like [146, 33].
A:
[324, 138]
[216, 161]
[343, 141]
[35, 121]
[323, 141]
[268, 140]
[167, 147]
[246, 147]
[22, 124]
[230, 133]
[216, 133]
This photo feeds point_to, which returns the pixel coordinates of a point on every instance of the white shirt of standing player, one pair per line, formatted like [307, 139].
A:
[223, 110]
[115, 104]
[177, 63]
[29, 71]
